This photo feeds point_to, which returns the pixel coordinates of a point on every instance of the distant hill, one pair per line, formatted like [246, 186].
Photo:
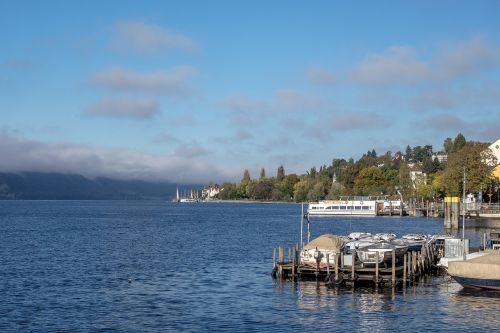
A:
[58, 186]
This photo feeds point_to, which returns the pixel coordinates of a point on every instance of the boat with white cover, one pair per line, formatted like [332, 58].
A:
[316, 251]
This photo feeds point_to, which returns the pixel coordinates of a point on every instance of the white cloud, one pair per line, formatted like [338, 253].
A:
[399, 65]
[123, 107]
[466, 58]
[148, 38]
[166, 138]
[93, 161]
[443, 121]
[190, 150]
[320, 76]
[357, 120]
[284, 103]
[173, 82]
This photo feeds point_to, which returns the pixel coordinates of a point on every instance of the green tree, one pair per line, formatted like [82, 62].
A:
[405, 184]
[280, 174]
[246, 176]
[317, 192]
[370, 180]
[312, 173]
[263, 190]
[459, 142]
[262, 173]
[448, 145]
[473, 159]
[409, 151]
[300, 190]
[287, 186]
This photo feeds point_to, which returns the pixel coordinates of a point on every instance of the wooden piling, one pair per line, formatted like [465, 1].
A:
[336, 268]
[393, 268]
[404, 269]
[342, 260]
[410, 275]
[280, 263]
[376, 267]
[414, 263]
[328, 264]
[274, 259]
[353, 264]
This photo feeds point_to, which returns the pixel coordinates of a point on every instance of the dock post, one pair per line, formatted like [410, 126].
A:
[294, 263]
[281, 258]
[414, 263]
[289, 254]
[336, 268]
[376, 268]
[393, 267]
[342, 260]
[352, 267]
[409, 266]
[328, 265]
[274, 259]
[404, 269]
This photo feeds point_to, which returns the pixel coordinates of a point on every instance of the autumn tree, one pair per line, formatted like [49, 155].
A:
[473, 160]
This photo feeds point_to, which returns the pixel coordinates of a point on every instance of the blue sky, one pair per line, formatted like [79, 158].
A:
[197, 91]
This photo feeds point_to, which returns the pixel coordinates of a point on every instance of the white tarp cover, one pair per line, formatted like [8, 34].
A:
[327, 242]
[485, 267]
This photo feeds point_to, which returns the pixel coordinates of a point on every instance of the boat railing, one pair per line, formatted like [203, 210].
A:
[455, 247]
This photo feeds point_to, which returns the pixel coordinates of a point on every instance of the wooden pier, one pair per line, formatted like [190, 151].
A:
[399, 270]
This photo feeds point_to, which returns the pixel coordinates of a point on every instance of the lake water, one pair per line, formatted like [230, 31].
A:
[149, 266]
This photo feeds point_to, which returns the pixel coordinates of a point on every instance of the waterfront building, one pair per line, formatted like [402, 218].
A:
[495, 149]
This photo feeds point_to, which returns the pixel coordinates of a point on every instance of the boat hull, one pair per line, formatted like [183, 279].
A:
[474, 283]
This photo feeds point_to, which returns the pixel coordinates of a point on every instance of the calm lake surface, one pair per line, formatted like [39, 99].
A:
[66, 266]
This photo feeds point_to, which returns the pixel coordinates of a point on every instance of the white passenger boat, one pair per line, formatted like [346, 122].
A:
[356, 206]
[360, 207]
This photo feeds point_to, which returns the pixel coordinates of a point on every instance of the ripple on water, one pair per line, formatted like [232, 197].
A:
[66, 266]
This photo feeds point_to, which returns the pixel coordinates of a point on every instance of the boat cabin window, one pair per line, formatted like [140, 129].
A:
[335, 207]
[342, 208]
[357, 207]
[329, 207]
[366, 207]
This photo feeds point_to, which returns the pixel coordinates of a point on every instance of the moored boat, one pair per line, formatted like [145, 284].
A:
[315, 252]
[415, 241]
[368, 254]
[478, 273]
[356, 207]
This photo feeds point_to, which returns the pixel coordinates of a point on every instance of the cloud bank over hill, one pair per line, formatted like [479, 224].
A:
[183, 166]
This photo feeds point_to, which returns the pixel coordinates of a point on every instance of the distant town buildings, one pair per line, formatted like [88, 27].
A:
[416, 175]
[211, 191]
[441, 156]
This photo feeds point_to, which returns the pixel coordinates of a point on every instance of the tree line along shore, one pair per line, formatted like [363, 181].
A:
[419, 173]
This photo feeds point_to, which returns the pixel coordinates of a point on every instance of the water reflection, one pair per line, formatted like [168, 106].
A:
[433, 303]
[478, 307]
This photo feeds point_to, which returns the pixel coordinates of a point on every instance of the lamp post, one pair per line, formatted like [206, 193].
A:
[400, 201]
[463, 220]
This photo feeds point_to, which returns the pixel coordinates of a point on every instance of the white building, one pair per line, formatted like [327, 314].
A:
[495, 149]
[211, 191]
[441, 156]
